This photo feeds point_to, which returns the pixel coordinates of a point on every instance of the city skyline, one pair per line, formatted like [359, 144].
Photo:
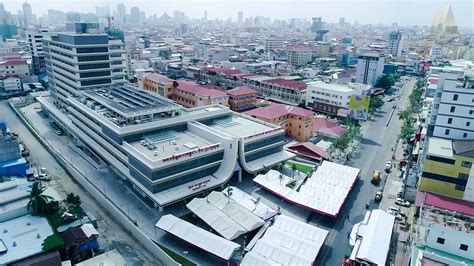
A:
[282, 9]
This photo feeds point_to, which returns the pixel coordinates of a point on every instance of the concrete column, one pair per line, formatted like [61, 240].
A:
[160, 208]
[240, 175]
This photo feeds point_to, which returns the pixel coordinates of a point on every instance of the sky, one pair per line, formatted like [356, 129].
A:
[403, 12]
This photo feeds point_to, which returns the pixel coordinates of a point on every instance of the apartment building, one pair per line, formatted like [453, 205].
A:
[333, 98]
[447, 168]
[369, 68]
[452, 113]
[445, 234]
[81, 59]
[394, 43]
[295, 121]
[299, 55]
[14, 67]
[156, 83]
[36, 49]
[242, 98]
[190, 94]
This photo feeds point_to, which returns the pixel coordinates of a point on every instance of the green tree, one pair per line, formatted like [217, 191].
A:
[73, 199]
[52, 242]
[385, 82]
[415, 97]
[407, 131]
[293, 169]
[38, 203]
[375, 103]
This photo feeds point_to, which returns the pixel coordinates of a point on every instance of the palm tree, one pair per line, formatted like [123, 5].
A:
[38, 203]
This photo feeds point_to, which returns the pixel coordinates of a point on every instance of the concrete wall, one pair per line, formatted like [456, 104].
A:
[103, 200]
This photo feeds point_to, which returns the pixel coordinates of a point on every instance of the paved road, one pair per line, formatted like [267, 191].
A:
[372, 153]
[112, 236]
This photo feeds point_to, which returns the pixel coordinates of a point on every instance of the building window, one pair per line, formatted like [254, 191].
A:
[453, 108]
[468, 124]
[466, 164]
[464, 135]
[440, 240]
[450, 121]
[471, 112]
[455, 97]
[463, 247]
[446, 132]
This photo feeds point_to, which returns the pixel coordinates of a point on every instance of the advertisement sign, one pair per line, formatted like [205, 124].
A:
[359, 107]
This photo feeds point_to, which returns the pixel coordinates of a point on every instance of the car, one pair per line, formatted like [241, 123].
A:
[378, 195]
[398, 217]
[388, 166]
[401, 202]
[43, 175]
[375, 177]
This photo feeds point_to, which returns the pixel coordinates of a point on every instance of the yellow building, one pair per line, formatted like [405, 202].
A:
[447, 168]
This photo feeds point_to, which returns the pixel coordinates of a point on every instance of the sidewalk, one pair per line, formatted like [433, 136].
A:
[392, 186]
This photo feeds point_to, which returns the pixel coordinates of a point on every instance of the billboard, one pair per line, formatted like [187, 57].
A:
[359, 107]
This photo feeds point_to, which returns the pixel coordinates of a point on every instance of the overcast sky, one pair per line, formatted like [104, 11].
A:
[403, 12]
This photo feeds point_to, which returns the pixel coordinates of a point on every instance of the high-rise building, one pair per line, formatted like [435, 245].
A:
[342, 21]
[395, 44]
[369, 68]
[452, 113]
[81, 59]
[135, 15]
[319, 28]
[240, 17]
[121, 12]
[205, 15]
[36, 48]
[73, 17]
[27, 14]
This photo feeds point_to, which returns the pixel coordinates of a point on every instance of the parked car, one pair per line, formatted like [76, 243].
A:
[388, 166]
[378, 195]
[43, 175]
[398, 217]
[401, 202]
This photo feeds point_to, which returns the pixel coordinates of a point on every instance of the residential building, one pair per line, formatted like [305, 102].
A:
[444, 234]
[326, 129]
[36, 49]
[242, 98]
[452, 114]
[10, 85]
[240, 18]
[81, 59]
[27, 14]
[190, 94]
[394, 43]
[447, 168]
[299, 55]
[272, 44]
[167, 152]
[156, 83]
[296, 121]
[333, 98]
[323, 49]
[14, 67]
[369, 68]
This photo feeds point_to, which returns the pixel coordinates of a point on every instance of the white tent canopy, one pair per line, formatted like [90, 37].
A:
[373, 238]
[196, 236]
[229, 218]
[250, 203]
[287, 242]
[324, 192]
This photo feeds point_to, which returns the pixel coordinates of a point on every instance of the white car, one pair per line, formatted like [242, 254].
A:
[401, 202]
[398, 217]
[43, 175]
[388, 166]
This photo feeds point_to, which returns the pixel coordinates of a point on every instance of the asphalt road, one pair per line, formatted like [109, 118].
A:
[112, 235]
[372, 153]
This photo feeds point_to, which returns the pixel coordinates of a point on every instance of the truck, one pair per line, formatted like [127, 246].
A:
[375, 177]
